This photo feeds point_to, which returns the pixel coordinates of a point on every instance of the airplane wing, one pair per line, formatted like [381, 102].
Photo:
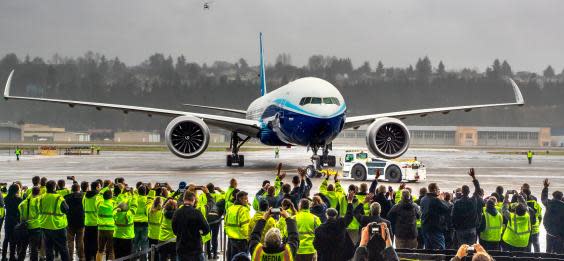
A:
[217, 108]
[243, 126]
[356, 121]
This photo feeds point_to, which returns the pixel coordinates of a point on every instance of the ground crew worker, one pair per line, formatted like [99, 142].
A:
[218, 195]
[306, 224]
[518, 230]
[18, 153]
[53, 222]
[535, 227]
[124, 230]
[237, 220]
[61, 188]
[354, 226]
[271, 222]
[530, 156]
[141, 219]
[29, 212]
[106, 227]
[90, 203]
[334, 193]
[274, 248]
[230, 193]
[166, 233]
[154, 214]
[491, 227]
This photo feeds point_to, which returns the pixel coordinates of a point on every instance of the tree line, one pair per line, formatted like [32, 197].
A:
[166, 82]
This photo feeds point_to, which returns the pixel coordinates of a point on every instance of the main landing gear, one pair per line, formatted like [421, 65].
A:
[234, 146]
[320, 161]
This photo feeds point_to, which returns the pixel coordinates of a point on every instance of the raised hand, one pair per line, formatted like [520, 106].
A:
[472, 173]
[546, 183]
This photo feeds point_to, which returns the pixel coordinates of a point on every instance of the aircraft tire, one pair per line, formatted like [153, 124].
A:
[310, 171]
[241, 161]
[229, 160]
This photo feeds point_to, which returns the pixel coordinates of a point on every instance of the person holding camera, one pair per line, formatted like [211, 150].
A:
[477, 251]
[75, 219]
[519, 224]
[375, 244]
[274, 248]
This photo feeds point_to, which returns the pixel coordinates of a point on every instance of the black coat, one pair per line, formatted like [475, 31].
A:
[554, 215]
[403, 217]
[12, 217]
[188, 224]
[75, 216]
[332, 241]
[434, 213]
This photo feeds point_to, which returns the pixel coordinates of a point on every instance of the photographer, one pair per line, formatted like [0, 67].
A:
[479, 254]
[274, 247]
[375, 244]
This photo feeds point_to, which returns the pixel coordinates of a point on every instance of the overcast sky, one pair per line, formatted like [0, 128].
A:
[529, 34]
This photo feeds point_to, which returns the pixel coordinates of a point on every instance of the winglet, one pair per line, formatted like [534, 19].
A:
[261, 73]
[518, 96]
[7, 87]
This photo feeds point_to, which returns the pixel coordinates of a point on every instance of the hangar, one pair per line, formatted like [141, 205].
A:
[10, 132]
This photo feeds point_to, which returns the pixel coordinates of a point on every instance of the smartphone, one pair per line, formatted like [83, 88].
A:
[512, 192]
[275, 211]
[70, 177]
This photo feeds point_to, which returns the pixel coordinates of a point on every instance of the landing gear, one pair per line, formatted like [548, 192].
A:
[234, 146]
[320, 161]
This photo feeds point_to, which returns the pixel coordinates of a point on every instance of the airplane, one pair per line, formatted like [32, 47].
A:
[308, 112]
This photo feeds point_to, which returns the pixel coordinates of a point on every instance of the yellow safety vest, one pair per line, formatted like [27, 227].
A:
[535, 228]
[166, 232]
[529, 154]
[518, 230]
[270, 223]
[106, 215]
[494, 227]
[154, 220]
[51, 216]
[91, 210]
[260, 255]
[141, 213]
[228, 198]
[366, 206]
[29, 212]
[124, 225]
[63, 192]
[237, 222]
[307, 223]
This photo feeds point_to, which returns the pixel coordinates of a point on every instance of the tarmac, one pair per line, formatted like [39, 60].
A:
[447, 167]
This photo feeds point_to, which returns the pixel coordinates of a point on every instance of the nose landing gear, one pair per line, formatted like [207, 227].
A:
[320, 161]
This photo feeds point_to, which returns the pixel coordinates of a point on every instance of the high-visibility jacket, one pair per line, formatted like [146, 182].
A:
[307, 223]
[63, 192]
[270, 223]
[260, 255]
[106, 215]
[229, 197]
[366, 206]
[535, 228]
[202, 208]
[154, 220]
[237, 222]
[124, 224]
[529, 154]
[29, 212]
[166, 232]
[51, 216]
[334, 197]
[141, 212]
[518, 230]
[494, 227]
[90, 206]
[18, 152]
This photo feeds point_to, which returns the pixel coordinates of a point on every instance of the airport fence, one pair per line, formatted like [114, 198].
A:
[152, 253]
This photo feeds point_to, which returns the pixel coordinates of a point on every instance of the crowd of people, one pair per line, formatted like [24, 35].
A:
[110, 219]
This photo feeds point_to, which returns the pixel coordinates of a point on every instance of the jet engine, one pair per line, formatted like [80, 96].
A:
[187, 136]
[387, 138]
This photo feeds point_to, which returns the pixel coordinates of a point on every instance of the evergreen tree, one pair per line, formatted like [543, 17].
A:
[380, 69]
[548, 72]
[441, 69]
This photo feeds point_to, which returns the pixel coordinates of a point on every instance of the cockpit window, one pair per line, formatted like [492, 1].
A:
[319, 100]
[316, 100]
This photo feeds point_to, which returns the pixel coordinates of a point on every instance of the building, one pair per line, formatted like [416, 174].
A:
[463, 136]
[10, 132]
[71, 137]
[39, 132]
[137, 137]
[557, 139]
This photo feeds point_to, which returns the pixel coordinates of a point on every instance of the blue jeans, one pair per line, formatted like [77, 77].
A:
[434, 239]
[141, 240]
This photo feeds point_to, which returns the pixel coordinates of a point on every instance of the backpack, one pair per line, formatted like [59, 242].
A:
[213, 213]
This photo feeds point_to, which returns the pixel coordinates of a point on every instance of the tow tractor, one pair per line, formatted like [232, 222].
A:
[360, 166]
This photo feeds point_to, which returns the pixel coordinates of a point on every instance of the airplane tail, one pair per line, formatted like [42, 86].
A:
[262, 72]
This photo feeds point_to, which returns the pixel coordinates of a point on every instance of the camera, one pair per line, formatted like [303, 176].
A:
[70, 177]
[470, 250]
[512, 192]
[3, 184]
[275, 211]
[374, 229]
